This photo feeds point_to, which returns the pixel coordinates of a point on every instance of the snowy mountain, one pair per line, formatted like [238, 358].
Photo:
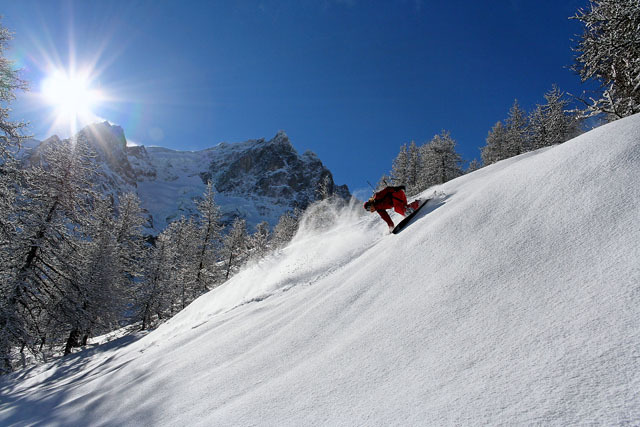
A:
[512, 299]
[257, 179]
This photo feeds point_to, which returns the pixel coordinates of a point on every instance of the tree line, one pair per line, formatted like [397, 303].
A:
[76, 263]
[608, 53]
[548, 124]
[437, 161]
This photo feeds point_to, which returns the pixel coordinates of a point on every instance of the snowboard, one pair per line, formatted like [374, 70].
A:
[402, 224]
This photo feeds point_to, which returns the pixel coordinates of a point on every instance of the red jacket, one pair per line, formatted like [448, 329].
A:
[390, 197]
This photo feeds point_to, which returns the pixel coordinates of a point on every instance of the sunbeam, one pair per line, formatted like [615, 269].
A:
[71, 96]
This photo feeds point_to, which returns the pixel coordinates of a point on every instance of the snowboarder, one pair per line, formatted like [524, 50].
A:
[387, 198]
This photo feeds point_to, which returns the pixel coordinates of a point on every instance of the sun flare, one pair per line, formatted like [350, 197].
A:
[71, 97]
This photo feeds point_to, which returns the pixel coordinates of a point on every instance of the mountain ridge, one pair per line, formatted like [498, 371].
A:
[257, 179]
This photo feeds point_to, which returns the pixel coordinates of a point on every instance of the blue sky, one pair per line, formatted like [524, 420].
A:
[351, 80]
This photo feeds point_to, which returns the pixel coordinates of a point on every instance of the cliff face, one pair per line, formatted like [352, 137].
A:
[271, 169]
[258, 180]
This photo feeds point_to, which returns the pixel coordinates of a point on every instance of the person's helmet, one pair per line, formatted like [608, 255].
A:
[369, 206]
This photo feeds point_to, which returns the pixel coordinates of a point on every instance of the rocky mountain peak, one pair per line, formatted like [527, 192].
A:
[257, 179]
[104, 135]
[109, 143]
[281, 138]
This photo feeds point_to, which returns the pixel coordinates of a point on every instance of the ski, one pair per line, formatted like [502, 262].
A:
[402, 224]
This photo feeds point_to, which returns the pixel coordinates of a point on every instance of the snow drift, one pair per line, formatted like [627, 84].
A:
[513, 298]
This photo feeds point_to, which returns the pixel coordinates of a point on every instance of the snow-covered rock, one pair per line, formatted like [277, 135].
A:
[258, 179]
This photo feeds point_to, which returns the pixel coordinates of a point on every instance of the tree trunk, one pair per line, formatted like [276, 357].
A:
[229, 266]
[72, 341]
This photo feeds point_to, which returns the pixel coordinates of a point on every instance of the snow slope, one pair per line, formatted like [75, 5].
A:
[514, 298]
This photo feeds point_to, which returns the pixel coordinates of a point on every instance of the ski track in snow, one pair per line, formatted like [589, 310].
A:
[513, 299]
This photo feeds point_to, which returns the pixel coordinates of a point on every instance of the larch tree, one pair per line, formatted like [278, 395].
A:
[413, 183]
[285, 229]
[209, 240]
[259, 241]
[609, 52]
[98, 295]
[130, 243]
[235, 247]
[383, 182]
[551, 123]
[474, 165]
[152, 296]
[440, 161]
[11, 133]
[516, 137]
[400, 167]
[496, 145]
[182, 253]
[42, 286]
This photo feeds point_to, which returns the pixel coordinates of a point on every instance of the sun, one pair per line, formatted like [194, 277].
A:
[71, 96]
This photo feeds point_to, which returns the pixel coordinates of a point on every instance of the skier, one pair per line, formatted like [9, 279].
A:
[387, 198]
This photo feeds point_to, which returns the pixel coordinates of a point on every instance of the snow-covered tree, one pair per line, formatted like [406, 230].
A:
[235, 247]
[208, 241]
[182, 247]
[131, 247]
[400, 167]
[128, 233]
[406, 169]
[516, 140]
[11, 132]
[550, 123]
[98, 293]
[413, 169]
[152, 297]
[609, 52]
[384, 181]
[440, 161]
[259, 241]
[41, 285]
[474, 165]
[496, 147]
[285, 229]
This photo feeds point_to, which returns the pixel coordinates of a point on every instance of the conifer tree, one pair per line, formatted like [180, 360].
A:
[413, 169]
[181, 248]
[130, 243]
[516, 141]
[235, 246]
[496, 147]
[550, 123]
[259, 242]
[384, 181]
[284, 230]
[152, 298]
[11, 132]
[440, 161]
[208, 241]
[400, 167]
[474, 165]
[609, 52]
[98, 294]
[41, 284]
